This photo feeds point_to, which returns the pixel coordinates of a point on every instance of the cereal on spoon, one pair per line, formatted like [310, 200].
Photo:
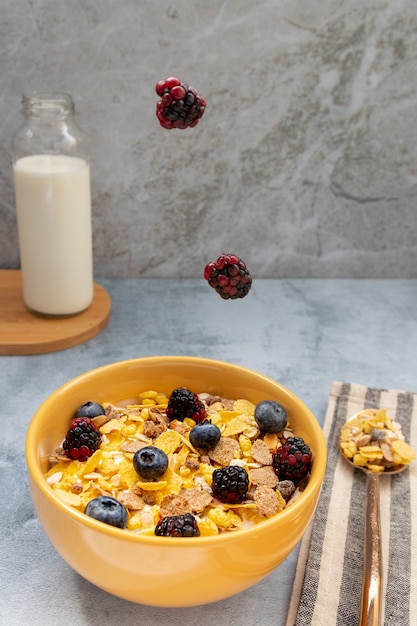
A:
[375, 441]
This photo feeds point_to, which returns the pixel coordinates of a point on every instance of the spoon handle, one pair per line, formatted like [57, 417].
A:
[372, 566]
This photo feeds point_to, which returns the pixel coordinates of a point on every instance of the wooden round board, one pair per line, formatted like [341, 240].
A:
[22, 332]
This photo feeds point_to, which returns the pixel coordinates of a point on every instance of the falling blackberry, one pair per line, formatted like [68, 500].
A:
[230, 484]
[82, 439]
[180, 106]
[229, 276]
[292, 461]
[184, 403]
[178, 526]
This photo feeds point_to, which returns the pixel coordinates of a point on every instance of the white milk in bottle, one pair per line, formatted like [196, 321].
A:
[53, 204]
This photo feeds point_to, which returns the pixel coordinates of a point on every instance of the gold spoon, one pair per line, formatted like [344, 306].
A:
[371, 601]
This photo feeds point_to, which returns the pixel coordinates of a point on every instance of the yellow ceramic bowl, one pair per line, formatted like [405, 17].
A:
[165, 571]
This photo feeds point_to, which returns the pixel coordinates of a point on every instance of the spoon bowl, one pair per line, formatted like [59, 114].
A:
[371, 601]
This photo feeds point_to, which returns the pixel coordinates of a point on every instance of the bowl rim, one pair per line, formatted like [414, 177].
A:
[38, 477]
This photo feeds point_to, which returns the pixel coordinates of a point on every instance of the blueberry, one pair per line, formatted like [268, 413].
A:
[89, 409]
[108, 510]
[150, 462]
[204, 435]
[270, 416]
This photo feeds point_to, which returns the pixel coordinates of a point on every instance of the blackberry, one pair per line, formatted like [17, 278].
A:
[82, 439]
[184, 403]
[230, 484]
[292, 461]
[178, 526]
[180, 106]
[229, 276]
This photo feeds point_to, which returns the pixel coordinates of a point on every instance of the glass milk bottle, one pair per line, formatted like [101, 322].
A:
[53, 204]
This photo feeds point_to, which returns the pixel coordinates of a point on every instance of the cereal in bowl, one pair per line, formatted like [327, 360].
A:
[186, 465]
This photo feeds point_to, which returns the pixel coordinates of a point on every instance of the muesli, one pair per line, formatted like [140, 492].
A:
[183, 465]
[373, 440]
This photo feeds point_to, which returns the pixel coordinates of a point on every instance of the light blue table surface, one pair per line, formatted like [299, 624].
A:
[304, 333]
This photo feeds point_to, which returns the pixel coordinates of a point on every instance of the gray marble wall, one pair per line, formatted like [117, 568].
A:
[305, 163]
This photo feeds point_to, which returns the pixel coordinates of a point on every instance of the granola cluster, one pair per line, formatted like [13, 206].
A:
[186, 485]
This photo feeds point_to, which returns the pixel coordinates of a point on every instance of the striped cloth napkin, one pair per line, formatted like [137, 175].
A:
[328, 580]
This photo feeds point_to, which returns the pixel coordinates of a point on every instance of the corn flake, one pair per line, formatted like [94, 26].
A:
[403, 450]
[111, 425]
[69, 498]
[156, 485]
[168, 441]
[235, 426]
[244, 406]
[225, 519]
